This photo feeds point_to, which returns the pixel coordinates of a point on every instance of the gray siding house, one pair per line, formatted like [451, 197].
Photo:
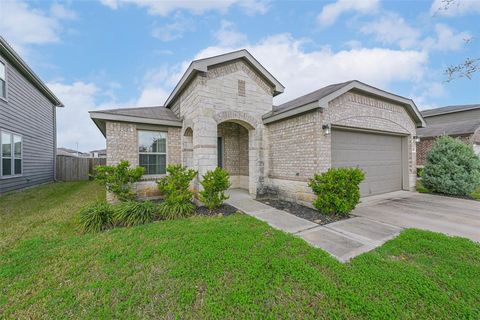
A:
[27, 124]
[221, 113]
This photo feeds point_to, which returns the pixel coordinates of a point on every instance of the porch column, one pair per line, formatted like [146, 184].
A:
[204, 147]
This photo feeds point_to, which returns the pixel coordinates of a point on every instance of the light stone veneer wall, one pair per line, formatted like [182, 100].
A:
[298, 148]
[122, 144]
[212, 98]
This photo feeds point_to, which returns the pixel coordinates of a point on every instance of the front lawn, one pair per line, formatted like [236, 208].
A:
[215, 267]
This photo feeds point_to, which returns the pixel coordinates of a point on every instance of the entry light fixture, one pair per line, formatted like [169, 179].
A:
[327, 129]
[416, 138]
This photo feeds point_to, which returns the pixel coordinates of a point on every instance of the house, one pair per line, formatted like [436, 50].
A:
[72, 153]
[462, 121]
[27, 124]
[101, 153]
[221, 113]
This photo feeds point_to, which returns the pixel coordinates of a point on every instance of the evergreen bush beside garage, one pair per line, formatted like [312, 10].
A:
[452, 168]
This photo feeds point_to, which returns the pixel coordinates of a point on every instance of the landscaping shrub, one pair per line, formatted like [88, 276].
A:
[177, 195]
[337, 190]
[214, 183]
[118, 179]
[451, 168]
[96, 217]
[133, 213]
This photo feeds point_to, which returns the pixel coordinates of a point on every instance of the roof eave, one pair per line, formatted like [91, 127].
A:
[323, 103]
[30, 75]
[100, 118]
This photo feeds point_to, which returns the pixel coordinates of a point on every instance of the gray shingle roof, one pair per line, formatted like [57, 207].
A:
[309, 97]
[449, 109]
[453, 128]
[160, 113]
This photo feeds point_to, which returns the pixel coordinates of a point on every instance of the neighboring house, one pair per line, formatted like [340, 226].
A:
[461, 122]
[72, 153]
[101, 153]
[221, 114]
[27, 124]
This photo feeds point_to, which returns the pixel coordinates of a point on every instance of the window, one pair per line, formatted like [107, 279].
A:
[152, 151]
[11, 154]
[3, 81]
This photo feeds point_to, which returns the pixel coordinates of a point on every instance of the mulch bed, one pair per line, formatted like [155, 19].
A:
[224, 210]
[302, 211]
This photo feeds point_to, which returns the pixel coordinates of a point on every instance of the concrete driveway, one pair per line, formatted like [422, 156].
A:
[456, 217]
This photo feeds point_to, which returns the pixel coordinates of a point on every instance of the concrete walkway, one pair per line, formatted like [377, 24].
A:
[343, 239]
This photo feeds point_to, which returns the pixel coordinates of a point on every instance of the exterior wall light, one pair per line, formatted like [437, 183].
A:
[416, 139]
[327, 129]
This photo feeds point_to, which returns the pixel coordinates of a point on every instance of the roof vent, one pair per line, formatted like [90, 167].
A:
[241, 88]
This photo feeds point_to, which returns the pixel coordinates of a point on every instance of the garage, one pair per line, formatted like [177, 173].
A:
[378, 155]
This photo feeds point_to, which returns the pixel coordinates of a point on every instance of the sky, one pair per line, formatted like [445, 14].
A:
[121, 53]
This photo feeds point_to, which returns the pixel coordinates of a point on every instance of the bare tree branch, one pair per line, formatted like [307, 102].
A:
[465, 69]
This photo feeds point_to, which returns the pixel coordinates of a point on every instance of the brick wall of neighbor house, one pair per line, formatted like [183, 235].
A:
[298, 148]
[425, 144]
[122, 144]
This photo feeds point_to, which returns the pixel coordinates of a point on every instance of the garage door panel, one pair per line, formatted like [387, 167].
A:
[378, 155]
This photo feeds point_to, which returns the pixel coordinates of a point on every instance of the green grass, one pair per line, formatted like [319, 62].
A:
[420, 188]
[475, 195]
[216, 267]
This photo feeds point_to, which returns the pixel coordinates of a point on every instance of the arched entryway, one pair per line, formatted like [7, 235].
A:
[233, 151]
[187, 148]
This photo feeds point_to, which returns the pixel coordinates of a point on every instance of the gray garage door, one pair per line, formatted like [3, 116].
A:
[378, 155]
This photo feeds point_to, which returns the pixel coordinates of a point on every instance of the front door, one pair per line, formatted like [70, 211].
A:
[220, 152]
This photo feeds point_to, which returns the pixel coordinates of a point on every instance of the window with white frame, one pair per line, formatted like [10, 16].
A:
[10, 154]
[152, 151]
[3, 80]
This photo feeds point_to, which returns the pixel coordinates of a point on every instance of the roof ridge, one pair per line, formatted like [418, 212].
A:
[129, 108]
[316, 91]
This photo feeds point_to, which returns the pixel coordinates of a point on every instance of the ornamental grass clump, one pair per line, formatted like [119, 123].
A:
[97, 217]
[133, 213]
[452, 168]
[337, 190]
[175, 188]
[119, 178]
[214, 183]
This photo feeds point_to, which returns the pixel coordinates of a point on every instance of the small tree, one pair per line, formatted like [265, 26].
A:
[337, 190]
[451, 168]
[118, 179]
[214, 183]
[175, 188]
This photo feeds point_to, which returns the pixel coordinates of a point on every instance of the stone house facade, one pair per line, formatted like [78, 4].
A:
[460, 121]
[221, 113]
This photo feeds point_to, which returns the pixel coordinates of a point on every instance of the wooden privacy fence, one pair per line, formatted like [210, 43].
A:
[75, 168]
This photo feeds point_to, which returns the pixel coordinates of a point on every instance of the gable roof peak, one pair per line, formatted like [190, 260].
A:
[202, 65]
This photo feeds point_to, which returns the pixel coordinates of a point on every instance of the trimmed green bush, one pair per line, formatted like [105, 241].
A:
[214, 183]
[337, 190]
[176, 190]
[96, 217]
[133, 213]
[451, 168]
[118, 179]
